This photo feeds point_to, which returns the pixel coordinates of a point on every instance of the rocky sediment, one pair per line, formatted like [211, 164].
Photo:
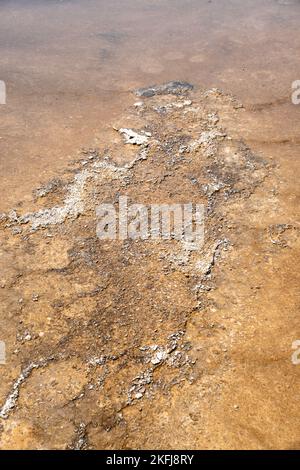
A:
[101, 335]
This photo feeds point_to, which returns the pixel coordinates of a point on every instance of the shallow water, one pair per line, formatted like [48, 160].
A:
[69, 67]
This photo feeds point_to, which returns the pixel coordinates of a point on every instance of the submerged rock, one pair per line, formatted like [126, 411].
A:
[170, 88]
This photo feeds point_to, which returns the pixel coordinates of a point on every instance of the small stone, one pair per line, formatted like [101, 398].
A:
[132, 137]
[170, 88]
[158, 357]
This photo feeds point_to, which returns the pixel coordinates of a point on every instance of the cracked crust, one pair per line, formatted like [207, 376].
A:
[132, 325]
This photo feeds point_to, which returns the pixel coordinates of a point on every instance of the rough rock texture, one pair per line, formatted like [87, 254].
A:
[146, 344]
[170, 88]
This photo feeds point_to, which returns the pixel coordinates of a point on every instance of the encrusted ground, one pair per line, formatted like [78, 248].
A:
[146, 343]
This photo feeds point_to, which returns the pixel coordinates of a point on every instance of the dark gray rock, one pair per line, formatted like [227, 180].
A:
[170, 88]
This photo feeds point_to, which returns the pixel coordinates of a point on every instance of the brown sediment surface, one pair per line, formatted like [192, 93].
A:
[83, 319]
[147, 344]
